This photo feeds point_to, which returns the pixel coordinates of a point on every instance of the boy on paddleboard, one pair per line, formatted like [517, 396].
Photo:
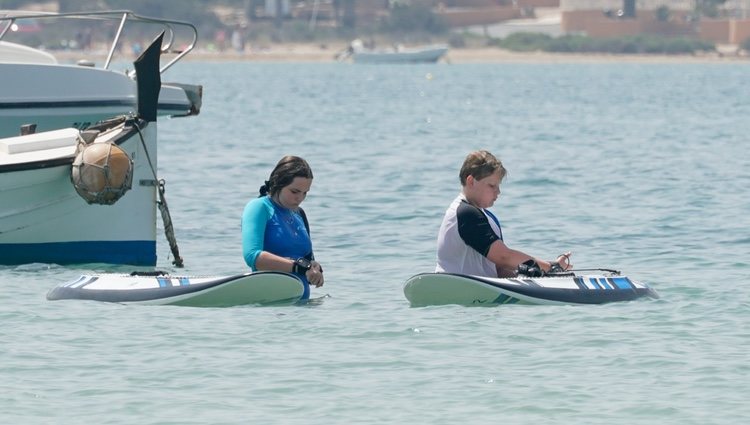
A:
[470, 240]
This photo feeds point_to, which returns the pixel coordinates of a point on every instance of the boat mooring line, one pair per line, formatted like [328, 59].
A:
[162, 203]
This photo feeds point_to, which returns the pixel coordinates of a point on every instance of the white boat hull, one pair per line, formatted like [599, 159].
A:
[258, 288]
[418, 55]
[43, 219]
[447, 288]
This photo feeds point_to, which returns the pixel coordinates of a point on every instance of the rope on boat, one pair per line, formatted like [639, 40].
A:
[168, 229]
[162, 203]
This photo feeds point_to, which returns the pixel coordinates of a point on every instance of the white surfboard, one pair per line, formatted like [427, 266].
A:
[257, 288]
[448, 288]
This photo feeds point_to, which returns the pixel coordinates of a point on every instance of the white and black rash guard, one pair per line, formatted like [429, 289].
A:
[464, 239]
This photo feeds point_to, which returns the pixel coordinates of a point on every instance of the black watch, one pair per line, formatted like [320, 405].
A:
[555, 267]
[301, 265]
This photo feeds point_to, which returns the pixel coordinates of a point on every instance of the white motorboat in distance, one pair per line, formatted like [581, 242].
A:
[396, 54]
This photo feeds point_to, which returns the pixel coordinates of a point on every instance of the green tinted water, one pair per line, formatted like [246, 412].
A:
[641, 168]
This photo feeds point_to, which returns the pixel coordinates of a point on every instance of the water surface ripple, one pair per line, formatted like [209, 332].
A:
[638, 167]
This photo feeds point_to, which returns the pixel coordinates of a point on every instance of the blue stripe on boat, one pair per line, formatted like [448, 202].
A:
[139, 253]
[621, 282]
[505, 299]
[184, 281]
[164, 282]
[595, 283]
[88, 281]
[75, 282]
[579, 282]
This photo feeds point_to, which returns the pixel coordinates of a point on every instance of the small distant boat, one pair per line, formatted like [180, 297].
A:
[397, 54]
[157, 288]
[427, 289]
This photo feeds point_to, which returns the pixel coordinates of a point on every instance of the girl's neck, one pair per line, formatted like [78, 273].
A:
[275, 200]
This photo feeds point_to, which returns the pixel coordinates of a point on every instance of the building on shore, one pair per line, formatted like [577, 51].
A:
[610, 18]
[722, 23]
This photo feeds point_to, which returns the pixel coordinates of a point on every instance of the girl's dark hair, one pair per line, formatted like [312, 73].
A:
[284, 173]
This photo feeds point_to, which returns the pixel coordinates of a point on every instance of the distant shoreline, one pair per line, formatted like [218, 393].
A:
[314, 53]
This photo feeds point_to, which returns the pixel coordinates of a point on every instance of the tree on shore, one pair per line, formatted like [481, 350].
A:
[349, 16]
[708, 8]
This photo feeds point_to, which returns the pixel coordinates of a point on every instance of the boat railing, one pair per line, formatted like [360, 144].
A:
[9, 22]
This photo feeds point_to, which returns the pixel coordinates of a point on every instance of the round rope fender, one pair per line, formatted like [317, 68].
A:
[101, 173]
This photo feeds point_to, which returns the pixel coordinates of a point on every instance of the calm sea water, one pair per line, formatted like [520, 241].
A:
[638, 167]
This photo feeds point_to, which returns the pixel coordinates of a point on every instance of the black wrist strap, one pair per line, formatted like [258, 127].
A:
[555, 267]
[301, 266]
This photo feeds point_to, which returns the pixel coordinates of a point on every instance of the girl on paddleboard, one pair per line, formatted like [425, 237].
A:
[275, 230]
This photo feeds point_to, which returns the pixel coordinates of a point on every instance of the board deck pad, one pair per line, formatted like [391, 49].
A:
[447, 288]
[257, 288]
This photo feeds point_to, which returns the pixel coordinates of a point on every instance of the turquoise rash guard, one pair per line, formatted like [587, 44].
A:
[267, 226]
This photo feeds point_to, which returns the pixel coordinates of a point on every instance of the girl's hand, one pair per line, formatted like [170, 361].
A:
[315, 274]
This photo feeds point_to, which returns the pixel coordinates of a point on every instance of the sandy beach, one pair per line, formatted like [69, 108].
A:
[318, 53]
[308, 53]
